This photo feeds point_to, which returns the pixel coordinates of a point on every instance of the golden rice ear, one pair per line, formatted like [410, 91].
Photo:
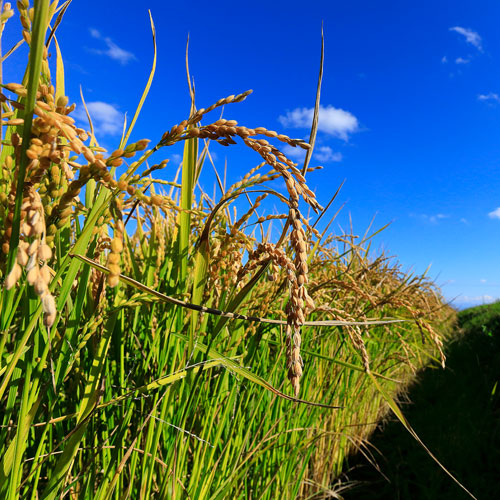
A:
[13, 277]
[114, 255]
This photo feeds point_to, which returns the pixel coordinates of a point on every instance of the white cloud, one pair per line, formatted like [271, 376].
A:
[177, 159]
[325, 154]
[433, 219]
[112, 51]
[444, 59]
[467, 300]
[495, 214]
[463, 220]
[483, 280]
[105, 118]
[471, 37]
[296, 153]
[489, 97]
[333, 121]
[461, 60]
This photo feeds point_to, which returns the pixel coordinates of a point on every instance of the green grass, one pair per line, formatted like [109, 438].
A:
[456, 412]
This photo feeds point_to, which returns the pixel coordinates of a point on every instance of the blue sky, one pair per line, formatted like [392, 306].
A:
[410, 106]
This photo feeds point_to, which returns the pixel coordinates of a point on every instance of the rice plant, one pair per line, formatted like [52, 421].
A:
[156, 344]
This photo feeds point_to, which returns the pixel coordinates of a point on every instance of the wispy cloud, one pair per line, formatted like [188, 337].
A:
[297, 154]
[468, 301]
[323, 154]
[444, 59]
[495, 214]
[332, 121]
[326, 154]
[492, 96]
[113, 51]
[432, 219]
[471, 37]
[461, 60]
[107, 120]
[177, 159]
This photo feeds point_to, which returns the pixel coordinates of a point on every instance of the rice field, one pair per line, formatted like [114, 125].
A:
[156, 343]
